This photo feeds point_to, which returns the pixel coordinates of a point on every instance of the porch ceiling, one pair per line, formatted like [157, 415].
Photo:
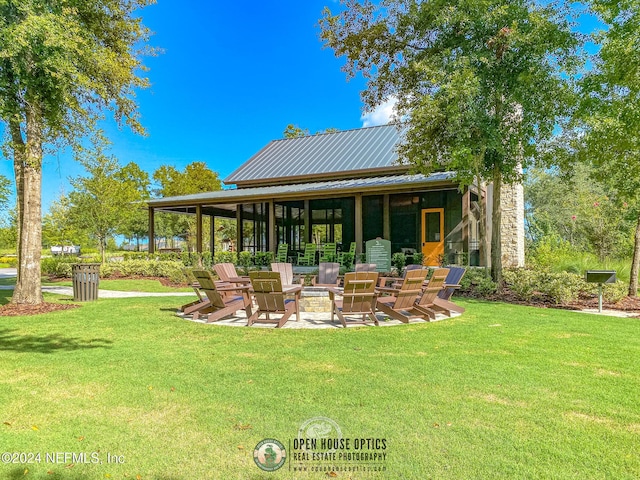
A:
[225, 201]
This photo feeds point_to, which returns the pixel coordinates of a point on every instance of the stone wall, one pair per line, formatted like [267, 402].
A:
[512, 225]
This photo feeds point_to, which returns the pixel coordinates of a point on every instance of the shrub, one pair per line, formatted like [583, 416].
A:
[472, 278]
[126, 256]
[225, 257]
[245, 259]
[398, 260]
[11, 261]
[418, 258]
[347, 260]
[263, 259]
[558, 287]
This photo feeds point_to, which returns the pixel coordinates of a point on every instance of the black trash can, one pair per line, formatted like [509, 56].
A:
[86, 278]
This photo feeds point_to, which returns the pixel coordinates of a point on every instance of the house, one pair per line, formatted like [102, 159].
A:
[345, 187]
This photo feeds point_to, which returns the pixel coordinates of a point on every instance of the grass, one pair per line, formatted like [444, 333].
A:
[501, 392]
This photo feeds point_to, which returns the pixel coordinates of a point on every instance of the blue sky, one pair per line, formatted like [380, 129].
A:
[232, 76]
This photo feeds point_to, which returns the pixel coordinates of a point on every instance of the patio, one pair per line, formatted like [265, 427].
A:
[309, 320]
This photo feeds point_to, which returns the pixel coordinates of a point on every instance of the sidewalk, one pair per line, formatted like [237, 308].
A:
[11, 272]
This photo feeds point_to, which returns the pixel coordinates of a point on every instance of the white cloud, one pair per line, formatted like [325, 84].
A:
[381, 115]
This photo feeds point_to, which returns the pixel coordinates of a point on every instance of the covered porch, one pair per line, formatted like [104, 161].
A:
[414, 212]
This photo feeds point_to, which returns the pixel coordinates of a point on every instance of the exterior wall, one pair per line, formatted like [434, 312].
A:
[512, 225]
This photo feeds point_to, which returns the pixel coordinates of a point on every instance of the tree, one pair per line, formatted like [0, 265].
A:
[579, 210]
[136, 223]
[58, 226]
[293, 131]
[196, 178]
[4, 192]
[103, 201]
[479, 83]
[606, 129]
[62, 64]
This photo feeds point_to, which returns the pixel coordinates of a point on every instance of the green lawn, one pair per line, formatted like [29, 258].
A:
[501, 392]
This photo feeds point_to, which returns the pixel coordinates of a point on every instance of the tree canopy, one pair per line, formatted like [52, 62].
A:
[604, 131]
[108, 197]
[62, 63]
[479, 83]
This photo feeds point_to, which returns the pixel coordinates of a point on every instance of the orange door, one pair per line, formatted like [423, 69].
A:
[432, 236]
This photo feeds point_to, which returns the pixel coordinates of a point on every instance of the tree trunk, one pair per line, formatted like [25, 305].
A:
[483, 227]
[19, 152]
[27, 290]
[635, 264]
[496, 229]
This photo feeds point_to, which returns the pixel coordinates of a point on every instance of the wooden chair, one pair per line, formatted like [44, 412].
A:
[452, 283]
[286, 272]
[218, 305]
[328, 253]
[327, 275]
[426, 306]
[397, 281]
[225, 271]
[399, 302]
[351, 253]
[366, 267]
[283, 253]
[358, 298]
[309, 255]
[191, 307]
[270, 298]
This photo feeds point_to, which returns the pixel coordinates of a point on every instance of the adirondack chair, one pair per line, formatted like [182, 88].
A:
[399, 302]
[270, 298]
[328, 253]
[219, 305]
[327, 275]
[366, 267]
[286, 272]
[283, 252]
[225, 271]
[309, 255]
[190, 307]
[357, 298]
[397, 281]
[452, 283]
[351, 253]
[426, 306]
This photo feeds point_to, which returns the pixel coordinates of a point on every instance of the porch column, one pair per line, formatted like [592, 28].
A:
[358, 225]
[212, 241]
[273, 241]
[239, 228]
[386, 219]
[152, 231]
[199, 228]
[307, 222]
[466, 212]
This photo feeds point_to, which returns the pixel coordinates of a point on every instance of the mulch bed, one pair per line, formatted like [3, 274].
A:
[11, 310]
[627, 304]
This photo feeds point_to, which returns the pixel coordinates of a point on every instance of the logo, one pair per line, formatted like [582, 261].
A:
[269, 454]
[320, 433]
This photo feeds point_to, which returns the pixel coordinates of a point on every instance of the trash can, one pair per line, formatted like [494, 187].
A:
[85, 277]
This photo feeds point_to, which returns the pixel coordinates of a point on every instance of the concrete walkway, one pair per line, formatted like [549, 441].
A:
[11, 272]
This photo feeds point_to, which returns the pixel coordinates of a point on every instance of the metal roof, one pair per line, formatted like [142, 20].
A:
[323, 155]
[372, 185]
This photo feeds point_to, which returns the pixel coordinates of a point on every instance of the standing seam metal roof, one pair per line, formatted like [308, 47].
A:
[328, 153]
[337, 187]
